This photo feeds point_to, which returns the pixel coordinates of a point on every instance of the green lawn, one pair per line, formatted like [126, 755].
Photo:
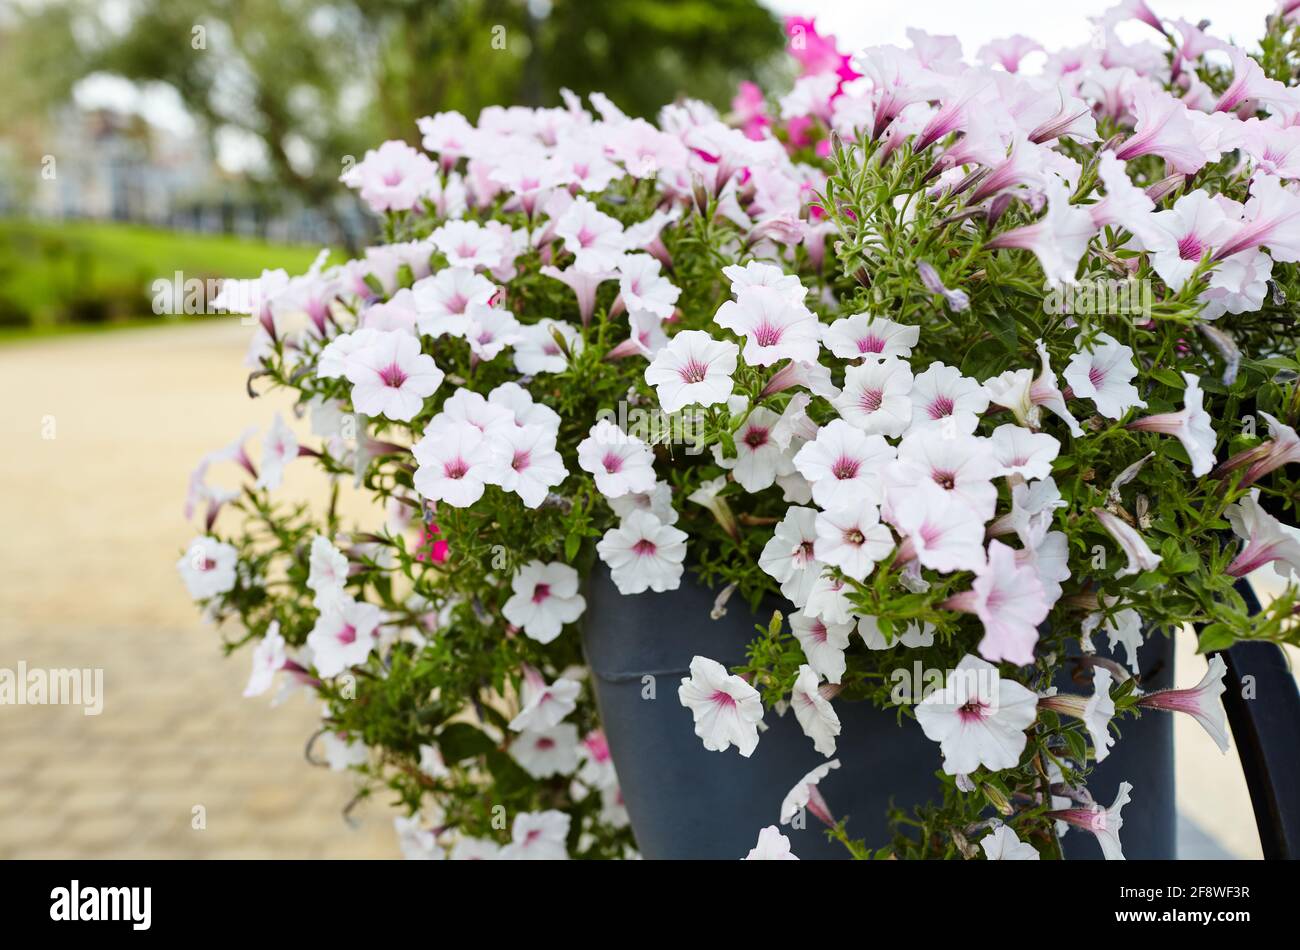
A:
[72, 275]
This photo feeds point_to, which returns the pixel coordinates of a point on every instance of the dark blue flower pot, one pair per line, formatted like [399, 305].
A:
[687, 802]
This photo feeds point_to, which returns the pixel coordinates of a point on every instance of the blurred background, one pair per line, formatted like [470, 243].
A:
[145, 139]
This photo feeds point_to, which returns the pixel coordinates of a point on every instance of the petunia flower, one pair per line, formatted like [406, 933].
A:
[620, 463]
[1026, 396]
[852, 539]
[978, 718]
[344, 635]
[546, 752]
[594, 238]
[1249, 83]
[1105, 823]
[788, 555]
[693, 369]
[726, 709]
[844, 464]
[1125, 204]
[642, 287]
[1140, 556]
[1202, 702]
[940, 530]
[543, 705]
[658, 501]
[963, 465]
[1271, 217]
[545, 347]
[1010, 601]
[823, 643]
[760, 274]
[469, 244]
[913, 635]
[1192, 427]
[1059, 239]
[392, 177]
[391, 377]
[1031, 511]
[942, 397]
[877, 396]
[774, 326]
[1022, 453]
[269, 657]
[441, 300]
[862, 335]
[1095, 711]
[545, 598]
[1003, 845]
[772, 846]
[1164, 129]
[643, 553]
[1104, 374]
[208, 567]
[523, 460]
[279, 448]
[538, 836]
[455, 462]
[327, 573]
[1007, 51]
[814, 711]
[342, 752]
[805, 794]
[1268, 541]
[760, 451]
[489, 330]
[489, 416]
[1178, 238]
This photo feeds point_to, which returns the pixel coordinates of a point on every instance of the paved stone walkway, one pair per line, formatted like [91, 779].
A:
[91, 519]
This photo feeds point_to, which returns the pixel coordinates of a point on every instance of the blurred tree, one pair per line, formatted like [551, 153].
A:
[308, 82]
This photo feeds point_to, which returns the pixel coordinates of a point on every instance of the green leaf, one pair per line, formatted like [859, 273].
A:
[1217, 636]
[460, 741]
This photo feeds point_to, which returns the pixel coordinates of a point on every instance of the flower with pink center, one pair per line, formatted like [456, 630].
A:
[1022, 453]
[1179, 237]
[208, 567]
[823, 643]
[1202, 702]
[788, 556]
[1249, 84]
[1164, 129]
[806, 795]
[1105, 823]
[1192, 427]
[643, 553]
[1239, 284]
[963, 466]
[442, 300]
[344, 636]
[544, 705]
[813, 377]
[583, 283]
[269, 658]
[1282, 448]
[897, 81]
[1139, 555]
[470, 245]
[814, 712]
[488, 416]
[1010, 601]
[594, 238]
[538, 347]
[620, 463]
[828, 600]
[1023, 167]
[761, 455]
[545, 598]
[1025, 396]
[726, 709]
[642, 287]
[1031, 511]
[538, 836]
[1104, 374]
[772, 846]
[863, 335]
[1003, 845]
[454, 463]
[1008, 51]
[327, 573]
[943, 398]
[1271, 218]
[852, 539]
[546, 752]
[759, 274]
[658, 501]
[939, 529]
[877, 396]
[524, 461]
[392, 177]
[1095, 711]
[1268, 541]
[489, 330]
[279, 448]
[978, 718]
[1059, 239]
[774, 327]
[518, 401]
[333, 359]
[416, 842]
[447, 134]
[1274, 149]
[391, 377]
[844, 464]
[693, 369]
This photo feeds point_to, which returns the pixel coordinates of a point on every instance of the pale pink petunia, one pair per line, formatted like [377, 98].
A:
[1192, 427]
[1268, 541]
[726, 709]
[391, 377]
[1010, 601]
[942, 397]
[789, 555]
[806, 795]
[962, 465]
[1022, 453]
[455, 462]
[863, 335]
[1139, 555]
[1203, 702]
[823, 643]
[1104, 374]
[344, 636]
[978, 718]
[1105, 823]
[877, 396]
[442, 300]
[940, 530]
[814, 712]
[542, 704]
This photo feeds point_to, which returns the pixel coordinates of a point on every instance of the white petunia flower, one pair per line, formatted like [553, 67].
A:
[1023, 453]
[523, 460]
[344, 636]
[1003, 845]
[538, 836]
[545, 599]
[621, 463]
[823, 644]
[775, 328]
[844, 464]
[852, 539]
[328, 572]
[643, 554]
[876, 396]
[693, 369]
[806, 794]
[978, 718]
[1104, 375]
[942, 397]
[815, 713]
[788, 556]
[860, 335]
[455, 463]
[772, 846]
[546, 752]
[726, 709]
